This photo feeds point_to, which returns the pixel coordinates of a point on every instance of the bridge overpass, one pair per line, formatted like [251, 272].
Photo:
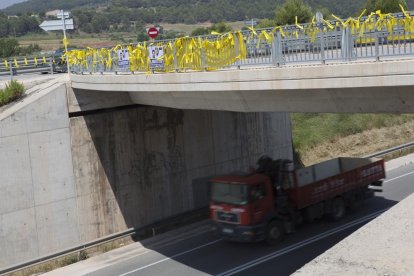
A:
[360, 87]
[309, 68]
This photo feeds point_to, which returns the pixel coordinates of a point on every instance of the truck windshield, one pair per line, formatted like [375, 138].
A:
[229, 193]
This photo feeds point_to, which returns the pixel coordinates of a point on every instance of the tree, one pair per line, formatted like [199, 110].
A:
[8, 47]
[266, 23]
[291, 8]
[385, 6]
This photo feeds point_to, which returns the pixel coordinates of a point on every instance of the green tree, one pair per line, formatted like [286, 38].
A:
[221, 27]
[291, 8]
[386, 6]
[200, 31]
[8, 47]
[266, 23]
[100, 23]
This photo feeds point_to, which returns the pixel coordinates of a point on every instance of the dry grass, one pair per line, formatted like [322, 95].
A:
[188, 28]
[360, 144]
[53, 40]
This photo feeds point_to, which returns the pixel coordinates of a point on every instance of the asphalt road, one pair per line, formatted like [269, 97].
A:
[199, 252]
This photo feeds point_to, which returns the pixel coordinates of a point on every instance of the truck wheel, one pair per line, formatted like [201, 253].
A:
[337, 209]
[274, 232]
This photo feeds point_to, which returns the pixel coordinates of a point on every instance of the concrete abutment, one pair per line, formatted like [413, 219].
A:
[71, 179]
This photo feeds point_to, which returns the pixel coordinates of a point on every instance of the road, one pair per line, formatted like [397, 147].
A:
[194, 250]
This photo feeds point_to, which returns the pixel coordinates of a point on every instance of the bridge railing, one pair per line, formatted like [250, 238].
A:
[365, 38]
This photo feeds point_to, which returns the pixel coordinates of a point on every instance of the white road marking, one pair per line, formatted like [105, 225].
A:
[300, 244]
[398, 177]
[169, 258]
[281, 251]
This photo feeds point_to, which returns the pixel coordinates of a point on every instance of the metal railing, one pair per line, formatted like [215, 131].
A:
[159, 227]
[290, 45]
[391, 150]
[24, 65]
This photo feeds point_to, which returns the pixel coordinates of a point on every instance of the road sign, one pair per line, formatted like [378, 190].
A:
[55, 25]
[62, 14]
[250, 22]
[155, 55]
[152, 32]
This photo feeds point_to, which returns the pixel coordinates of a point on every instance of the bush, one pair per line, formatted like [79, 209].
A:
[13, 91]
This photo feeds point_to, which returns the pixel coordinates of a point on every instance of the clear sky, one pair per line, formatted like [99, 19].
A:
[6, 3]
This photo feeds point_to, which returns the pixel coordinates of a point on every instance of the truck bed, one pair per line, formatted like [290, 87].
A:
[334, 177]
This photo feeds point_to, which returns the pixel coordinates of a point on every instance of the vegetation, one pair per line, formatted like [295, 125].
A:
[292, 8]
[102, 16]
[311, 129]
[10, 47]
[95, 16]
[218, 27]
[13, 91]
[385, 6]
[17, 26]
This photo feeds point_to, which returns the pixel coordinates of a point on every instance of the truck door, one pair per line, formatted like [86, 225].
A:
[260, 202]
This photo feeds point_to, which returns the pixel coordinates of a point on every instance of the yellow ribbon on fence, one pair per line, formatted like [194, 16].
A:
[203, 53]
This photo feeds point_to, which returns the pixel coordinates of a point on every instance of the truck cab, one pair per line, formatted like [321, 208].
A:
[241, 206]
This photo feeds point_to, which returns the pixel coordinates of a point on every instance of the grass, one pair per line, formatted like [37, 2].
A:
[52, 41]
[311, 129]
[13, 91]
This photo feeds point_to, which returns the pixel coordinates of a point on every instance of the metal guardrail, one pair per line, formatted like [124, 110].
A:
[187, 216]
[390, 150]
[21, 65]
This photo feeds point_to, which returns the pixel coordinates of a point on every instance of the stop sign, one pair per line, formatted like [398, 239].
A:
[152, 32]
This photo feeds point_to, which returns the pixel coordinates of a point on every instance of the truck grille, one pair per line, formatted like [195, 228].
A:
[228, 217]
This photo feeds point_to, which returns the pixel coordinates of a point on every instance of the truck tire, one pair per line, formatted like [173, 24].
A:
[337, 209]
[274, 232]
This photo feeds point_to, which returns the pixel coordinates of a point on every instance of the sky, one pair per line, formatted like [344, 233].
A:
[6, 3]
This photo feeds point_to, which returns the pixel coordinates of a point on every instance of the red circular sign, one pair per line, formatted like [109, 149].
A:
[152, 32]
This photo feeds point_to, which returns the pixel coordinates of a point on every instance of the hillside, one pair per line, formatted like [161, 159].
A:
[188, 11]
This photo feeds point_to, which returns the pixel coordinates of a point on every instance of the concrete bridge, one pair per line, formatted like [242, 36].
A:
[360, 87]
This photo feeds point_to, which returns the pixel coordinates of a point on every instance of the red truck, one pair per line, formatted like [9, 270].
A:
[270, 202]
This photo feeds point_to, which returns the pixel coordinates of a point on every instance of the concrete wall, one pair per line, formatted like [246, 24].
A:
[65, 180]
[140, 165]
[38, 208]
